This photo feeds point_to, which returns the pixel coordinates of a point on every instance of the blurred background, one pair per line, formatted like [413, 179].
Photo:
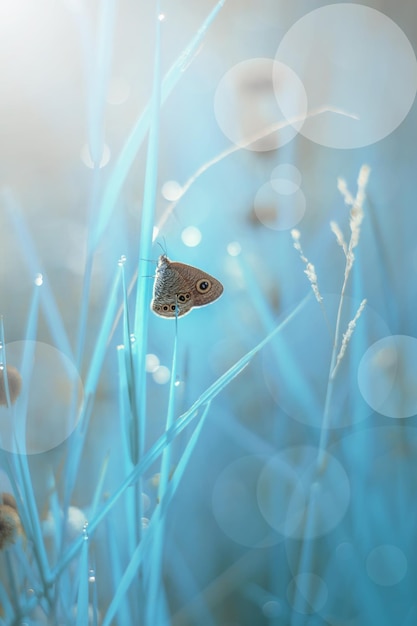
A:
[75, 78]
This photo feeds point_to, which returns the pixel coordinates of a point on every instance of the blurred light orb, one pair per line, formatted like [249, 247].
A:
[151, 363]
[234, 248]
[87, 158]
[191, 236]
[171, 190]
[387, 376]
[287, 172]
[279, 211]
[386, 565]
[307, 593]
[161, 375]
[255, 95]
[47, 409]
[289, 490]
[338, 74]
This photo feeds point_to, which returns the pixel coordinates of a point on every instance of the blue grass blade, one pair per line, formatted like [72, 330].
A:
[82, 602]
[25, 368]
[49, 307]
[76, 443]
[166, 455]
[155, 587]
[145, 244]
[231, 373]
[56, 513]
[128, 380]
[179, 425]
[183, 463]
[97, 77]
[123, 607]
[124, 404]
[99, 80]
[128, 575]
[124, 162]
[31, 514]
[125, 422]
[88, 268]
[99, 489]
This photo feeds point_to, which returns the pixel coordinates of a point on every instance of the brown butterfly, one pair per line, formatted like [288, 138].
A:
[178, 288]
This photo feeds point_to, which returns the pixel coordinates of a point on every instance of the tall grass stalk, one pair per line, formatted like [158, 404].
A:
[156, 587]
[339, 348]
[301, 598]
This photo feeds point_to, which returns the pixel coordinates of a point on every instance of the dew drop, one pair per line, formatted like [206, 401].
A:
[38, 280]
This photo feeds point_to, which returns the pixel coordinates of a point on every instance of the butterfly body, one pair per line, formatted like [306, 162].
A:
[178, 288]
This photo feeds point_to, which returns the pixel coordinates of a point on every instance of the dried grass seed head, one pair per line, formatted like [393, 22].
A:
[14, 383]
[10, 526]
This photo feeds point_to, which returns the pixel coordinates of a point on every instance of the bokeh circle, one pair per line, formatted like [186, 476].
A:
[386, 565]
[353, 58]
[387, 376]
[277, 207]
[47, 409]
[297, 499]
[253, 96]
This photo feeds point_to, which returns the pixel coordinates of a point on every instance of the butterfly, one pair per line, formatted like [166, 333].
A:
[178, 288]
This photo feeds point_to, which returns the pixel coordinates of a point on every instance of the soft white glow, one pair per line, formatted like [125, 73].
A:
[171, 190]
[38, 280]
[191, 236]
[151, 363]
[161, 375]
[234, 248]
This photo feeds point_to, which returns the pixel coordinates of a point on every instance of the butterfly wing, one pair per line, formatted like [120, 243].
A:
[180, 287]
